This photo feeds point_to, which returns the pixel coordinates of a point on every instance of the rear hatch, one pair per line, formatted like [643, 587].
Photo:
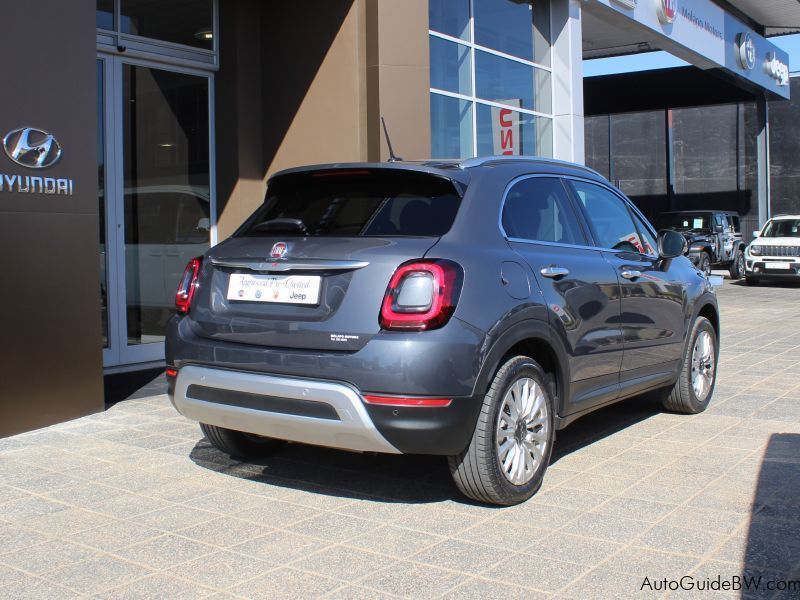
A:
[309, 268]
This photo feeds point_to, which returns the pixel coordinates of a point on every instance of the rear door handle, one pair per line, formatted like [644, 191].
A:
[631, 274]
[554, 272]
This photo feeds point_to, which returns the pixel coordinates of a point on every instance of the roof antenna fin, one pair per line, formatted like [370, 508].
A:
[392, 156]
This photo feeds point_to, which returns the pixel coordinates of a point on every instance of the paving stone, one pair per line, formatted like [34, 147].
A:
[342, 562]
[34, 588]
[154, 552]
[572, 548]
[457, 555]
[224, 532]
[413, 581]
[47, 556]
[157, 587]
[98, 574]
[221, 569]
[543, 574]
[682, 541]
[280, 547]
[395, 541]
[487, 588]
[286, 583]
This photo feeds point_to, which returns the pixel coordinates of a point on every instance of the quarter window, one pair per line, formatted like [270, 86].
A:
[610, 219]
[538, 209]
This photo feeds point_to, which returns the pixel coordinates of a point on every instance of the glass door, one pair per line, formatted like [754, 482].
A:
[158, 206]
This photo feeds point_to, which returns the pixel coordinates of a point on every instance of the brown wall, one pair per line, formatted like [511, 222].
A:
[398, 75]
[328, 71]
[50, 355]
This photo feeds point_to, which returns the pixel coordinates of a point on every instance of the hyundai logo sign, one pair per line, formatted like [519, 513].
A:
[31, 147]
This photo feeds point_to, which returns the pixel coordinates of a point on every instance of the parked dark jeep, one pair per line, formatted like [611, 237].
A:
[714, 238]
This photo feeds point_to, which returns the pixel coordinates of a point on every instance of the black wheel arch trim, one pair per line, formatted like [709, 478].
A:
[510, 334]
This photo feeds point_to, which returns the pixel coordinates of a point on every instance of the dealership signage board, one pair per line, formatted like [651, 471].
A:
[706, 35]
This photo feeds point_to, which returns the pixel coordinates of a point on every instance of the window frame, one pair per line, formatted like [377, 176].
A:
[579, 217]
[474, 99]
[634, 213]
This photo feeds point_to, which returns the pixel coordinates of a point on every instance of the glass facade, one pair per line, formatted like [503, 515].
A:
[185, 22]
[491, 84]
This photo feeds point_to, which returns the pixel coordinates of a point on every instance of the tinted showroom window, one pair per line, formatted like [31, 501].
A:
[378, 203]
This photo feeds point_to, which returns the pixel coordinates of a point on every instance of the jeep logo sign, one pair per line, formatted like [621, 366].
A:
[32, 148]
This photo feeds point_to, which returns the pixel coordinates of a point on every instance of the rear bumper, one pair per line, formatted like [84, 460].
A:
[313, 412]
[323, 413]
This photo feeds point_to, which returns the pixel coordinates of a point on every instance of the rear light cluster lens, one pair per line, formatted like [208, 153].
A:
[188, 285]
[421, 295]
[171, 372]
[398, 401]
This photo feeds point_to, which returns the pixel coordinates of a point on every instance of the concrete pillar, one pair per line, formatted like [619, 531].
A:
[763, 168]
[568, 143]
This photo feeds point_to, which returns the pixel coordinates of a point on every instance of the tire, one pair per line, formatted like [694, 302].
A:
[736, 269]
[704, 263]
[239, 444]
[684, 397]
[477, 471]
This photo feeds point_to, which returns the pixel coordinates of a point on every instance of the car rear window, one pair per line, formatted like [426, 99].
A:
[368, 202]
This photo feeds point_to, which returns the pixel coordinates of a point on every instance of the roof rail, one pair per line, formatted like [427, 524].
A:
[482, 160]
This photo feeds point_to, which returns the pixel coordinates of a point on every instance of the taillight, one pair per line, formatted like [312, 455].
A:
[421, 295]
[188, 285]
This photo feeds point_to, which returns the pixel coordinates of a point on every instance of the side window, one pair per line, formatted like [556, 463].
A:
[648, 241]
[609, 217]
[538, 209]
[735, 227]
[720, 220]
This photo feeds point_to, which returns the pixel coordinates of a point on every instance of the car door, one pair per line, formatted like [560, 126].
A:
[579, 286]
[653, 293]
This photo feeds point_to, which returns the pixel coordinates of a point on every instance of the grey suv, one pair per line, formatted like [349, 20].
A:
[465, 309]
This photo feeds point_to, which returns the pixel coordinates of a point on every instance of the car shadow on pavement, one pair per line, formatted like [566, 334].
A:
[399, 478]
[773, 539]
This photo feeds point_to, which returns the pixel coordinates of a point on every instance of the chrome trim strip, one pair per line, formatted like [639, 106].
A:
[297, 264]
[354, 431]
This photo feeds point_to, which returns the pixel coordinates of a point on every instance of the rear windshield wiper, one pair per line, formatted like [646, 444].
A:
[282, 225]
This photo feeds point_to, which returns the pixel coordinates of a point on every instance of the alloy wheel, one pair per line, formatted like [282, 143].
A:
[523, 431]
[703, 365]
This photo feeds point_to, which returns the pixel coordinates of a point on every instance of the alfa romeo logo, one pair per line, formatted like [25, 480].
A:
[667, 11]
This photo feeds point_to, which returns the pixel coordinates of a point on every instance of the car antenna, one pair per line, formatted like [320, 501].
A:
[392, 157]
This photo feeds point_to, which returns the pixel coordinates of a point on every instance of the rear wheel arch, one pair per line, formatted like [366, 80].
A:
[534, 340]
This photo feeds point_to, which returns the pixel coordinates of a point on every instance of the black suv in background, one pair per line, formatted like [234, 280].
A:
[459, 308]
[714, 238]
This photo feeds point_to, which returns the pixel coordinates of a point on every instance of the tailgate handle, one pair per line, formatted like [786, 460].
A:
[298, 264]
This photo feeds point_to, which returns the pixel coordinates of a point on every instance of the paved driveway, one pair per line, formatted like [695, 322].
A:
[134, 503]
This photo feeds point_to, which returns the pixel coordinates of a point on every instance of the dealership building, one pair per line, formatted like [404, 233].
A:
[138, 132]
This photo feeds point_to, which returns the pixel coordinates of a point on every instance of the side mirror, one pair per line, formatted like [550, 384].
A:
[756, 234]
[718, 228]
[671, 244]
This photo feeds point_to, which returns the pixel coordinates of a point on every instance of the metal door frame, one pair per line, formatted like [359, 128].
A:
[119, 355]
